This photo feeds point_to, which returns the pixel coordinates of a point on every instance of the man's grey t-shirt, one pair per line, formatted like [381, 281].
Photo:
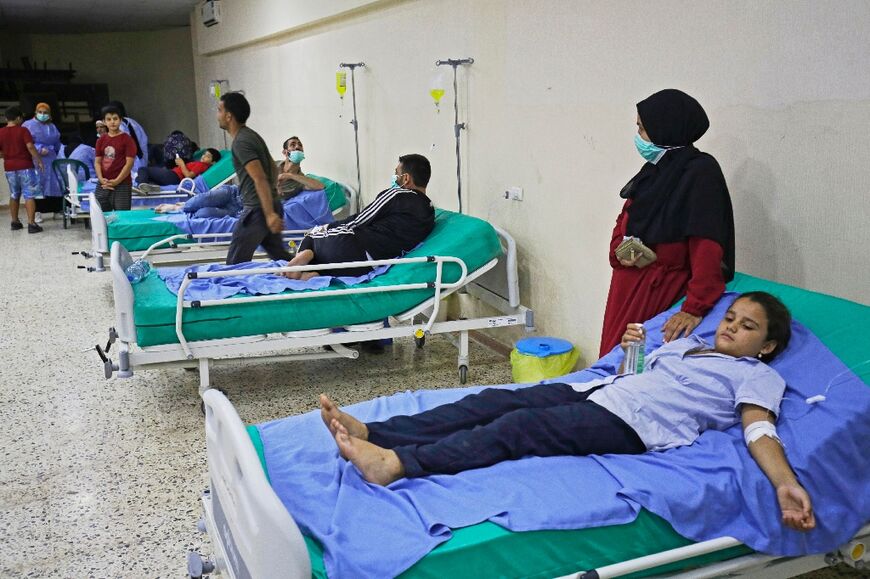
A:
[249, 146]
[288, 188]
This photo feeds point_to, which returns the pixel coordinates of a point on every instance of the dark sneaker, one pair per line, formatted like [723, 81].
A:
[33, 228]
[16, 225]
[149, 188]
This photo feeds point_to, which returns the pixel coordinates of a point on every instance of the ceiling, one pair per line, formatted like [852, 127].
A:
[78, 16]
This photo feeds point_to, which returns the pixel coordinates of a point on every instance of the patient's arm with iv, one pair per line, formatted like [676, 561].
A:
[794, 501]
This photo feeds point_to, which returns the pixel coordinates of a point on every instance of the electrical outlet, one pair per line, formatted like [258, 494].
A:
[514, 194]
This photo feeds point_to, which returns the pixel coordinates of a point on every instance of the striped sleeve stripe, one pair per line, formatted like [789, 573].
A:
[335, 232]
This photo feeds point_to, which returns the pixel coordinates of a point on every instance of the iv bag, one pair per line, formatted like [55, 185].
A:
[341, 82]
[437, 87]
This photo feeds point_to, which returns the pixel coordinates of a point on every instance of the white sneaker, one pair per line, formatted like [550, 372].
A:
[38, 218]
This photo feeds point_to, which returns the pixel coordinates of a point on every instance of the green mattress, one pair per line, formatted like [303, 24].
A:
[468, 238]
[488, 550]
[138, 230]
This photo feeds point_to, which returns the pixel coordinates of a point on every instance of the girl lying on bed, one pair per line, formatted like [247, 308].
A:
[688, 386]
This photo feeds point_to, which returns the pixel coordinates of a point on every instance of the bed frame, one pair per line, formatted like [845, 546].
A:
[202, 247]
[253, 535]
[418, 321]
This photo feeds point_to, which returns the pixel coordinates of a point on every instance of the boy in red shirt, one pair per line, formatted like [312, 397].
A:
[149, 179]
[19, 155]
[115, 153]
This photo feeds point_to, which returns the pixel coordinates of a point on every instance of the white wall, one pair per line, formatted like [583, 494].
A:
[549, 103]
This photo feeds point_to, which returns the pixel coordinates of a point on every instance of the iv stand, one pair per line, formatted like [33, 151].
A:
[457, 126]
[352, 67]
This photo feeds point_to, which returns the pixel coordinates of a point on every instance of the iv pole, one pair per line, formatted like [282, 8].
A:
[457, 126]
[352, 67]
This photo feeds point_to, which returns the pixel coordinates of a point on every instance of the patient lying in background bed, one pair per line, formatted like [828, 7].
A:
[221, 201]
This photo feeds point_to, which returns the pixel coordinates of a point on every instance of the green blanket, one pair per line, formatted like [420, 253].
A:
[138, 230]
[468, 238]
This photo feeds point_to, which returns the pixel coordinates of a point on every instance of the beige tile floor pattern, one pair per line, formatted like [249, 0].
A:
[102, 478]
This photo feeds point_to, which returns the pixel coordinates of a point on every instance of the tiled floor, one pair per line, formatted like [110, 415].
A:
[102, 478]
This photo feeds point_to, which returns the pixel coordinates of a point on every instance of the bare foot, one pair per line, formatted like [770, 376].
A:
[304, 257]
[377, 465]
[306, 275]
[329, 411]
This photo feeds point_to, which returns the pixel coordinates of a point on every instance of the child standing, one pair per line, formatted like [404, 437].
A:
[20, 155]
[115, 152]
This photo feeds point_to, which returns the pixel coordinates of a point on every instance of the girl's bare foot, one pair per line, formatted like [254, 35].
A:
[329, 411]
[377, 465]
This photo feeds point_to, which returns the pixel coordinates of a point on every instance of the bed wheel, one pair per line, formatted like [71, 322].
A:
[420, 342]
[463, 374]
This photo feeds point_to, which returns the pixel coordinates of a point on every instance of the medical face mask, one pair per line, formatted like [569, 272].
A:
[296, 156]
[394, 180]
[42, 117]
[647, 150]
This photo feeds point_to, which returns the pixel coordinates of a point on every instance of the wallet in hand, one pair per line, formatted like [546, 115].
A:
[632, 247]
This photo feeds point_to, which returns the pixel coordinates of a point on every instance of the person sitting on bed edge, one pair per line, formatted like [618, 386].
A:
[687, 386]
[394, 223]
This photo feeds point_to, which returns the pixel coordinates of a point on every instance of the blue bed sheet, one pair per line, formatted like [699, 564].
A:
[302, 212]
[138, 202]
[707, 490]
[218, 288]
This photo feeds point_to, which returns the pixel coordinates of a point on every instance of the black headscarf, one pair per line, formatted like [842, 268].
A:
[684, 194]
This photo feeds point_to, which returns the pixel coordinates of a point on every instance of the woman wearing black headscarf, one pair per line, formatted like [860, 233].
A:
[679, 206]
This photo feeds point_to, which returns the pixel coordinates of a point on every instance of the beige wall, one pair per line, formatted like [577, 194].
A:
[549, 103]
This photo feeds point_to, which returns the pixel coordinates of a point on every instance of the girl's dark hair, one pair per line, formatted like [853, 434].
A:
[778, 321]
[215, 155]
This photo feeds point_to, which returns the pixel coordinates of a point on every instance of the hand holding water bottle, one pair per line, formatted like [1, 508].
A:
[633, 333]
[633, 344]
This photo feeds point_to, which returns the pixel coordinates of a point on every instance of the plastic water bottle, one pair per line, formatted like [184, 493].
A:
[634, 354]
[138, 270]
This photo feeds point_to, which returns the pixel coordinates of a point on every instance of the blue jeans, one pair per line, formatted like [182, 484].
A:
[218, 202]
[24, 183]
[497, 425]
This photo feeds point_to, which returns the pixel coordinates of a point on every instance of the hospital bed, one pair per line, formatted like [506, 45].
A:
[166, 244]
[154, 327]
[77, 199]
[254, 535]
